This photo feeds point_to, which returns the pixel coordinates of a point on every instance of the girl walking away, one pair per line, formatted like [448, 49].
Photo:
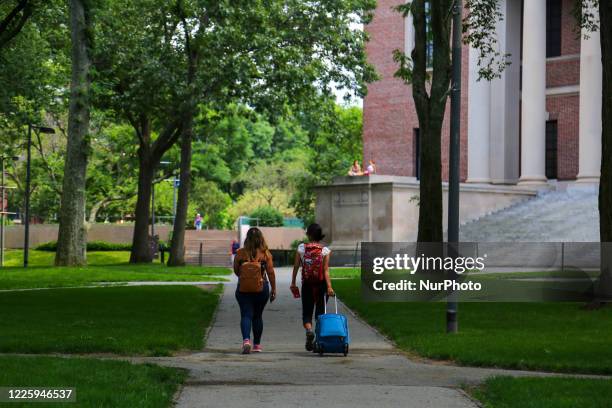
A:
[256, 284]
[313, 258]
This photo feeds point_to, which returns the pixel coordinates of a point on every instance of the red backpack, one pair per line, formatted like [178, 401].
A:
[312, 264]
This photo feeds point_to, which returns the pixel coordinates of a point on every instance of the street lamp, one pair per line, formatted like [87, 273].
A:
[164, 163]
[26, 239]
[3, 206]
[454, 157]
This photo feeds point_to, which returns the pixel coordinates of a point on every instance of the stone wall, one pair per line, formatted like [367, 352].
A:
[277, 238]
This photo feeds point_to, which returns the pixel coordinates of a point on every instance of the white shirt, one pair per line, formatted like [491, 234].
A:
[302, 249]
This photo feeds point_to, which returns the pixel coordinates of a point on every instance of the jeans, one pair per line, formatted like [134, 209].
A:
[313, 299]
[251, 310]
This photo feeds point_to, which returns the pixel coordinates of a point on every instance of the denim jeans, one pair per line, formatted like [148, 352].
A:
[251, 310]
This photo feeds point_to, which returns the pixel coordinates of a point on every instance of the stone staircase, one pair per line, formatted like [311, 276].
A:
[215, 245]
[567, 213]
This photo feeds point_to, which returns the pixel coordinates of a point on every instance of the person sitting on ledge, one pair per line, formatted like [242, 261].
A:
[355, 169]
[371, 168]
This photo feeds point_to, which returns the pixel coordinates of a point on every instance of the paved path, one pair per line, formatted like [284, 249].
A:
[285, 375]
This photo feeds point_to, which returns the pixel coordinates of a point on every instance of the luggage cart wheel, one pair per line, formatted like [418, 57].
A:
[346, 349]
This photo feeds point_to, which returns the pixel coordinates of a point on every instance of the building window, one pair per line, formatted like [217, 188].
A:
[551, 149]
[417, 153]
[553, 28]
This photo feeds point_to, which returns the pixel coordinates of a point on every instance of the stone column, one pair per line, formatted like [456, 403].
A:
[590, 108]
[533, 94]
[479, 124]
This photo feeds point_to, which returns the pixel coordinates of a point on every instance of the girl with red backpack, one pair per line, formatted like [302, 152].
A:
[313, 258]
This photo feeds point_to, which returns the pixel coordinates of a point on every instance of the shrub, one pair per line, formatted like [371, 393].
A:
[91, 246]
[268, 216]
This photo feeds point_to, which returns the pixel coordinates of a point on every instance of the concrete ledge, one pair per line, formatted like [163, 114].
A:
[382, 208]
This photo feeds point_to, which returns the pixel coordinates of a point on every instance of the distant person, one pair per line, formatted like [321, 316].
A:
[313, 258]
[234, 249]
[256, 284]
[355, 169]
[371, 168]
[197, 223]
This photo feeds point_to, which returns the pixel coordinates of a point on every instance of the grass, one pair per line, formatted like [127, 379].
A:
[530, 392]
[14, 258]
[344, 272]
[148, 320]
[103, 267]
[98, 383]
[559, 337]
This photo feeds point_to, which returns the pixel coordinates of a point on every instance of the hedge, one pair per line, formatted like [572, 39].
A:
[91, 246]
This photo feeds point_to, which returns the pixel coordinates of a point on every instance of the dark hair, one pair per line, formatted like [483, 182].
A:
[314, 232]
[254, 242]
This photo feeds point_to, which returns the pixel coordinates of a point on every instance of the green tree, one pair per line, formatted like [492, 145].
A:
[212, 203]
[282, 51]
[335, 134]
[14, 15]
[267, 217]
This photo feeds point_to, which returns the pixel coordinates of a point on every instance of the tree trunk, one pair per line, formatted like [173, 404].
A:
[72, 237]
[430, 109]
[177, 247]
[141, 251]
[605, 184]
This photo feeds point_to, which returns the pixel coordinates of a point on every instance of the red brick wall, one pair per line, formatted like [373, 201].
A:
[389, 115]
[564, 109]
[565, 71]
[387, 108]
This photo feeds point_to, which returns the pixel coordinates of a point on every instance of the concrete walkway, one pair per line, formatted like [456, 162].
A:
[285, 375]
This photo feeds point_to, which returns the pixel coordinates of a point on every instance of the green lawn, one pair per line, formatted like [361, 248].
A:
[547, 336]
[14, 257]
[98, 383]
[103, 267]
[150, 320]
[507, 392]
[344, 272]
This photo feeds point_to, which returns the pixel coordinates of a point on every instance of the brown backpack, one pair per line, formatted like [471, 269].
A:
[251, 279]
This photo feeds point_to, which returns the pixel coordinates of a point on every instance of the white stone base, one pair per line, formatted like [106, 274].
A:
[382, 208]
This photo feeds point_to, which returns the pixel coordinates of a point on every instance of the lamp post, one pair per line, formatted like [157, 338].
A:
[26, 233]
[164, 163]
[2, 211]
[454, 167]
[176, 182]
[3, 207]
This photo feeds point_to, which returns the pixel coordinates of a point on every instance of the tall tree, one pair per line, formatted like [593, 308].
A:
[14, 16]
[164, 61]
[72, 236]
[432, 49]
[430, 103]
[139, 69]
[285, 52]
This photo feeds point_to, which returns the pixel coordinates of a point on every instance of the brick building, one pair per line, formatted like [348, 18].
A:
[541, 120]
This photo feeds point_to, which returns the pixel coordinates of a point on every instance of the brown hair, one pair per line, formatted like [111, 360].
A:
[254, 242]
